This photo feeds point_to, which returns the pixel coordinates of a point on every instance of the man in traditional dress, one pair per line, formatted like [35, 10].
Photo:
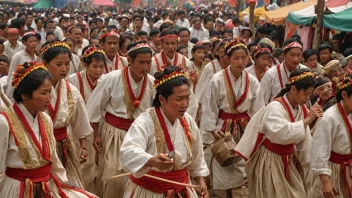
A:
[169, 56]
[109, 41]
[165, 142]
[121, 95]
[276, 77]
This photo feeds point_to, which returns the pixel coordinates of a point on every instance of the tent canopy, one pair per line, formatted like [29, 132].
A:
[103, 3]
[278, 16]
[307, 15]
[339, 21]
[257, 13]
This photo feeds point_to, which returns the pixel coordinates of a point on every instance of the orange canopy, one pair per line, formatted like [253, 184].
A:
[278, 16]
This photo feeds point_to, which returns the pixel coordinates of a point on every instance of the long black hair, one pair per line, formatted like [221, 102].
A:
[51, 53]
[304, 83]
[347, 89]
[96, 56]
[167, 88]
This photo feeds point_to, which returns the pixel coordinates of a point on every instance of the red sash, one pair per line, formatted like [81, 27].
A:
[161, 187]
[120, 123]
[280, 76]
[213, 65]
[53, 112]
[238, 117]
[241, 99]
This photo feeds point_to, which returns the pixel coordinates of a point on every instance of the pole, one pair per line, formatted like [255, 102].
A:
[251, 17]
[238, 7]
[319, 10]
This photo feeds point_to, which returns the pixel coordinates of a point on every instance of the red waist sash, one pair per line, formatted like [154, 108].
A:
[284, 150]
[161, 187]
[41, 174]
[343, 160]
[238, 117]
[60, 133]
[120, 123]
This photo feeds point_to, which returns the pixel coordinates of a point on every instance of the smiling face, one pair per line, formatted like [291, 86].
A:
[175, 106]
[59, 66]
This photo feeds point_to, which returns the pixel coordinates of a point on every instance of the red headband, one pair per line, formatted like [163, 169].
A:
[261, 50]
[30, 33]
[293, 45]
[111, 33]
[169, 36]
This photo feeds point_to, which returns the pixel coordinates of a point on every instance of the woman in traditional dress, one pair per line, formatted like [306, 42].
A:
[276, 77]
[165, 142]
[277, 141]
[331, 150]
[198, 55]
[75, 64]
[28, 156]
[30, 39]
[261, 56]
[123, 95]
[67, 110]
[86, 80]
[311, 61]
[233, 95]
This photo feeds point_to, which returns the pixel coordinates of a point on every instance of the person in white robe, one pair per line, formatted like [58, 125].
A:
[86, 81]
[276, 77]
[67, 110]
[261, 56]
[122, 95]
[165, 142]
[28, 156]
[30, 40]
[233, 95]
[4, 100]
[198, 55]
[109, 42]
[331, 149]
[168, 56]
[283, 147]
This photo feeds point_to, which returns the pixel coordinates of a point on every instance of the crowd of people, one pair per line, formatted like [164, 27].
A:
[170, 103]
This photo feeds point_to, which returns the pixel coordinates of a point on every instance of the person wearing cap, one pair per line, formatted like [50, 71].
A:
[261, 57]
[182, 21]
[276, 77]
[348, 54]
[123, 95]
[30, 39]
[12, 45]
[184, 36]
[197, 31]
[246, 35]
[219, 25]
[109, 42]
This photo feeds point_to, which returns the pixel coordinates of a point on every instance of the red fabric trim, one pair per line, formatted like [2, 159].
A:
[258, 142]
[81, 87]
[241, 155]
[157, 62]
[11, 127]
[78, 190]
[284, 103]
[343, 160]
[22, 186]
[41, 174]
[90, 83]
[120, 123]
[213, 65]
[161, 187]
[106, 69]
[53, 112]
[60, 133]
[244, 95]
[280, 76]
[135, 101]
[186, 129]
[345, 119]
[225, 116]
[169, 144]
[117, 61]
[43, 151]
[165, 62]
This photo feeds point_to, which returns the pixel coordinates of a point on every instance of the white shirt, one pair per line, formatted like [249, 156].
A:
[184, 23]
[199, 34]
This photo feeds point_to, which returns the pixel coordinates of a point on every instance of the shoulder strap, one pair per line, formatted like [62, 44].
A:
[80, 81]
[287, 108]
[212, 64]
[280, 76]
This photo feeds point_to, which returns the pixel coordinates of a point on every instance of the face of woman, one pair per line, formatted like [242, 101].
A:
[199, 55]
[302, 96]
[312, 62]
[325, 56]
[184, 52]
[175, 106]
[59, 66]
[238, 60]
[95, 69]
[40, 97]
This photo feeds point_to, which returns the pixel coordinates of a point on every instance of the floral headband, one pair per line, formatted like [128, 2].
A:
[19, 74]
[261, 50]
[169, 36]
[300, 77]
[138, 46]
[54, 44]
[234, 45]
[293, 45]
[92, 50]
[343, 84]
[30, 33]
[111, 33]
[168, 77]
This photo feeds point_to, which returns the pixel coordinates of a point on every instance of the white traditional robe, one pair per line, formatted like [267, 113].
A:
[208, 71]
[77, 122]
[331, 135]
[10, 51]
[4, 100]
[19, 58]
[157, 62]
[75, 81]
[271, 83]
[75, 64]
[215, 100]
[10, 157]
[264, 183]
[111, 65]
[139, 146]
